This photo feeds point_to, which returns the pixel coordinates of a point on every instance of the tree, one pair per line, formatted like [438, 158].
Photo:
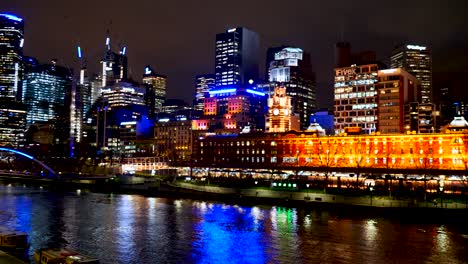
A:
[326, 154]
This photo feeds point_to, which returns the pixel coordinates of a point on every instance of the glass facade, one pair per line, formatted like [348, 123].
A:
[156, 89]
[11, 52]
[237, 56]
[45, 89]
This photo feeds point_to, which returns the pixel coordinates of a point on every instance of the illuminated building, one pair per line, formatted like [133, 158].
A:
[173, 139]
[237, 57]
[291, 67]
[123, 94]
[355, 103]
[280, 116]
[406, 154]
[421, 118]
[416, 60]
[13, 125]
[203, 84]
[114, 65]
[324, 118]
[11, 52]
[396, 88]
[45, 89]
[156, 89]
[230, 110]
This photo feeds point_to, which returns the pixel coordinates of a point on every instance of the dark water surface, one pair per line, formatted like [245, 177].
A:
[137, 229]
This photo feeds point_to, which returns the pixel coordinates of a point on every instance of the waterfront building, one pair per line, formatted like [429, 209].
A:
[417, 60]
[173, 139]
[396, 88]
[355, 103]
[291, 68]
[13, 123]
[155, 89]
[45, 90]
[237, 57]
[280, 115]
[203, 85]
[229, 111]
[424, 154]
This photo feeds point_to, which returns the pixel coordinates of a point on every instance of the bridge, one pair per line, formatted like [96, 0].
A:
[51, 171]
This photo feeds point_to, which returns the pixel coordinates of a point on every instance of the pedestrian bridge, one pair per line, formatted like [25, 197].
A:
[51, 171]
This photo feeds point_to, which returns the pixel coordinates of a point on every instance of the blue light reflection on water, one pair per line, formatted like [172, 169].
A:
[227, 234]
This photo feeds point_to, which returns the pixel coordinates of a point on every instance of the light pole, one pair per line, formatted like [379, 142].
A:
[441, 189]
[371, 188]
[307, 185]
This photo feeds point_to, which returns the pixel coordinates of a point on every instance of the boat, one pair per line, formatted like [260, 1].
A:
[13, 240]
[62, 256]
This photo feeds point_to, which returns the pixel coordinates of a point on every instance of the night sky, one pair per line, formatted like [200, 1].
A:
[177, 37]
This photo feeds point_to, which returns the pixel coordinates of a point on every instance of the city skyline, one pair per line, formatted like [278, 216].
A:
[192, 40]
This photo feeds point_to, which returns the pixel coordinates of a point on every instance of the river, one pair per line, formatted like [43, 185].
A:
[138, 229]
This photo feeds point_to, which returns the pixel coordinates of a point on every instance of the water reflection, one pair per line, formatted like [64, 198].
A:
[137, 229]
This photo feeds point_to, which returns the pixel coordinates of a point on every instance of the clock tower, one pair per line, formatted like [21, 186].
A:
[280, 117]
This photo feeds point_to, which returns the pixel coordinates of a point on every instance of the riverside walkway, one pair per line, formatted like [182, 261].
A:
[378, 201]
[8, 259]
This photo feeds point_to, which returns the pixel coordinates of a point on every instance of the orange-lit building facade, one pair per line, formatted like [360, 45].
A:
[434, 153]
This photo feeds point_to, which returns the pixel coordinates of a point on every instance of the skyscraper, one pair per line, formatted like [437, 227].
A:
[291, 67]
[155, 89]
[11, 53]
[417, 61]
[203, 84]
[45, 89]
[114, 65]
[237, 57]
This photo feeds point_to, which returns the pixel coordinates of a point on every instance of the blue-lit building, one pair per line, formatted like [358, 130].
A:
[203, 84]
[46, 89]
[291, 67]
[12, 112]
[324, 118]
[237, 57]
[232, 110]
[11, 53]
[114, 65]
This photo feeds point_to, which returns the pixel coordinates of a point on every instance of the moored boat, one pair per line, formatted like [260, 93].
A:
[62, 256]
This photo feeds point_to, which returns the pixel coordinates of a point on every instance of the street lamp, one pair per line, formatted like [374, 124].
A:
[371, 188]
[441, 189]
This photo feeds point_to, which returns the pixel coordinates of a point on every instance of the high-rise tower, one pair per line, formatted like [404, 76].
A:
[291, 67]
[114, 65]
[155, 89]
[237, 57]
[11, 53]
[417, 61]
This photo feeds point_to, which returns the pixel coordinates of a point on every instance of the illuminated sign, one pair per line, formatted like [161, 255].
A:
[345, 71]
[12, 17]
[128, 123]
[415, 47]
[222, 91]
[388, 71]
[255, 92]
[147, 70]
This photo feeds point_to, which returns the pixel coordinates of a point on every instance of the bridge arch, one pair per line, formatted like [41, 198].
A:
[51, 171]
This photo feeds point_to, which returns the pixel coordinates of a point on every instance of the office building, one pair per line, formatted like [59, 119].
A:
[45, 90]
[123, 94]
[12, 123]
[173, 139]
[416, 60]
[396, 88]
[237, 57]
[355, 103]
[203, 84]
[11, 53]
[324, 118]
[156, 86]
[291, 68]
